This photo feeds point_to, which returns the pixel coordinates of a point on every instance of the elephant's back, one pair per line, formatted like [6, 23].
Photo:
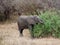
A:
[24, 16]
[26, 19]
[21, 21]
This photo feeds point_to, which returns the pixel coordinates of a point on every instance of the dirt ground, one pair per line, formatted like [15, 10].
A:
[9, 35]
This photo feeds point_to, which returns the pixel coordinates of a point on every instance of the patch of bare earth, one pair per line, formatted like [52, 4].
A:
[9, 35]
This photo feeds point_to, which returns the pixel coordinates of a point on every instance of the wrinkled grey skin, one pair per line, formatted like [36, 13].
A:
[25, 22]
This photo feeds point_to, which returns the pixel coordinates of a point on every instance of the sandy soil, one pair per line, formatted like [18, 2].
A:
[9, 35]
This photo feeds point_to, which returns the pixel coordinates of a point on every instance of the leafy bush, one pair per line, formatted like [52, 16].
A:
[51, 25]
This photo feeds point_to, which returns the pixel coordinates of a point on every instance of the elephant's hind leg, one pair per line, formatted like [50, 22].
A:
[21, 31]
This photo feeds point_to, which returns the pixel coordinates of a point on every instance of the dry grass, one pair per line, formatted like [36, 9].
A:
[9, 35]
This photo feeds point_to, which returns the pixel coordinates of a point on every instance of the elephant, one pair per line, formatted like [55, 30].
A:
[28, 22]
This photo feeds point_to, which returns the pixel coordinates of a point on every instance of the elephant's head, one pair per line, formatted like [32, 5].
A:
[38, 20]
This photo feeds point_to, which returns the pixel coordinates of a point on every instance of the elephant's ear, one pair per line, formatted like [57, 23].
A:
[35, 17]
[38, 20]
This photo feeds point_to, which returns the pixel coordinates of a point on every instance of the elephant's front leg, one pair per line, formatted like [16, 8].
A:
[31, 27]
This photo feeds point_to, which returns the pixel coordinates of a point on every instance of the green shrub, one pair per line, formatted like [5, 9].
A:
[51, 25]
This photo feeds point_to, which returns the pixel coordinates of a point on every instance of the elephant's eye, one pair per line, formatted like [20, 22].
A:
[36, 23]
